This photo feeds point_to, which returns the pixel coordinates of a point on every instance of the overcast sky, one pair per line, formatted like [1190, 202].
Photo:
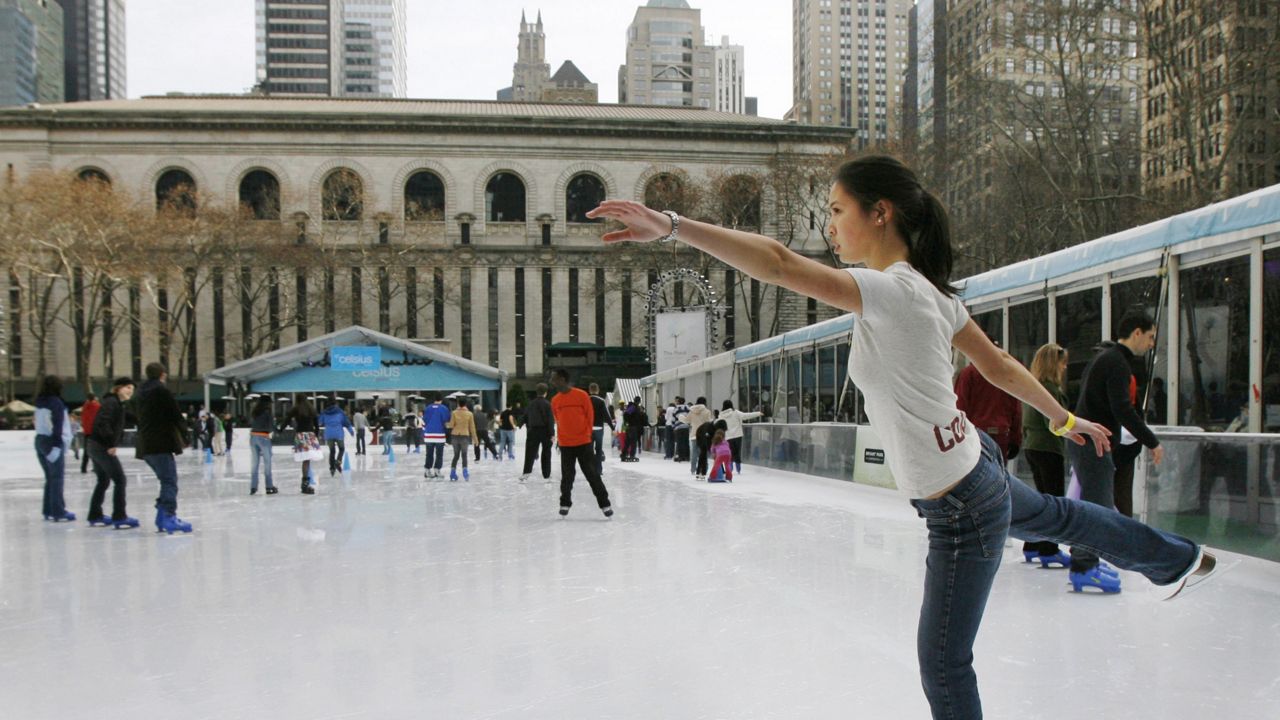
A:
[457, 49]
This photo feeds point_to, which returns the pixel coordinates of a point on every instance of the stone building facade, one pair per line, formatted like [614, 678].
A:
[468, 228]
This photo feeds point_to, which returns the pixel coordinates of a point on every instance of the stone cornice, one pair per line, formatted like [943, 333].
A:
[198, 121]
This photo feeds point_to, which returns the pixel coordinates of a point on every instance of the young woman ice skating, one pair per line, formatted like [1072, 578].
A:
[908, 320]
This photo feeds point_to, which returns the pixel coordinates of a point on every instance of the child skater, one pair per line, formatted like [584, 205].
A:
[908, 319]
[723, 458]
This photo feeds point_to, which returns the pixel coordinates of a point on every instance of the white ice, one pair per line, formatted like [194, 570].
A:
[390, 596]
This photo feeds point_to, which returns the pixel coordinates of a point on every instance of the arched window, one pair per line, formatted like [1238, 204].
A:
[176, 191]
[667, 192]
[260, 195]
[92, 174]
[424, 197]
[583, 193]
[343, 195]
[739, 201]
[504, 198]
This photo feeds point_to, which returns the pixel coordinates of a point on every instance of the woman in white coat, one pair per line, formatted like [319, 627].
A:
[733, 433]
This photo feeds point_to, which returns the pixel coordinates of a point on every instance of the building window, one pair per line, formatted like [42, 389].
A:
[573, 305]
[176, 192]
[600, 319]
[504, 198]
[424, 197]
[260, 195]
[300, 295]
[93, 175]
[583, 193]
[438, 301]
[667, 192]
[493, 317]
[520, 328]
[411, 301]
[464, 309]
[342, 196]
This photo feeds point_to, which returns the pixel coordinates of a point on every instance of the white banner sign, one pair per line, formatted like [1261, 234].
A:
[681, 338]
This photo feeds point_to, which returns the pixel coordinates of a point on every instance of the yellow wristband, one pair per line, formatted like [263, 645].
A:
[1066, 427]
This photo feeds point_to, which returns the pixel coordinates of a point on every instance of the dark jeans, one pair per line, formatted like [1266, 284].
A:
[108, 470]
[634, 438]
[584, 457]
[459, 450]
[1096, 476]
[360, 446]
[1050, 472]
[597, 446]
[1125, 457]
[54, 473]
[435, 456]
[682, 444]
[166, 470]
[735, 446]
[664, 437]
[967, 530]
[337, 451]
[537, 442]
[486, 442]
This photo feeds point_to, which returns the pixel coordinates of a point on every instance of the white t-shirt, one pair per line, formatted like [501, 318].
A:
[900, 358]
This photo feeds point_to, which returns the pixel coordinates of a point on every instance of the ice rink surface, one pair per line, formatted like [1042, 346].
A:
[391, 596]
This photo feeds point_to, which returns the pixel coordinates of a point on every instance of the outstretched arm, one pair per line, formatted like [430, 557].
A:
[1007, 373]
[760, 257]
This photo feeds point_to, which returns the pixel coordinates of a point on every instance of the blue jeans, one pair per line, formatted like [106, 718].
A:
[507, 443]
[435, 455]
[967, 530]
[54, 473]
[597, 444]
[166, 470]
[260, 448]
[388, 438]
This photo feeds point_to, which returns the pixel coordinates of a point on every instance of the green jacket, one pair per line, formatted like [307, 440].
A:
[1036, 434]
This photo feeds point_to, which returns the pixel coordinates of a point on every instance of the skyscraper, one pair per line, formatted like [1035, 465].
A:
[337, 48]
[668, 61]
[849, 58]
[729, 78]
[93, 49]
[31, 66]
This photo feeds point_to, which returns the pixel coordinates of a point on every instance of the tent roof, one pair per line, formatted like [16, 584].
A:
[289, 359]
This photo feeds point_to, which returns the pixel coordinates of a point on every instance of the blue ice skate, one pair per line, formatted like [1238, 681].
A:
[167, 522]
[66, 516]
[1062, 559]
[453, 475]
[125, 524]
[1095, 578]
[103, 521]
[466, 475]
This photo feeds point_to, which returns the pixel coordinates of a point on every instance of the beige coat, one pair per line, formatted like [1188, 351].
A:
[463, 423]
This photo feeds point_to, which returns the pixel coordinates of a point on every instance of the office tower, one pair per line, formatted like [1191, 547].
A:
[849, 58]
[93, 49]
[332, 48]
[668, 61]
[729, 78]
[31, 61]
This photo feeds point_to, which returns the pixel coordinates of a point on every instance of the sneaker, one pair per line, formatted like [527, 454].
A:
[1094, 577]
[607, 510]
[272, 490]
[1205, 566]
[563, 511]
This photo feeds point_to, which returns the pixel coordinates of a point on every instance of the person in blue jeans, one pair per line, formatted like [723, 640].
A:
[53, 438]
[161, 435]
[435, 430]
[334, 422]
[908, 318]
[261, 424]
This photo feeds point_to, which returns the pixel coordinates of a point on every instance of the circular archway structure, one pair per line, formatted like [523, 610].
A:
[704, 299]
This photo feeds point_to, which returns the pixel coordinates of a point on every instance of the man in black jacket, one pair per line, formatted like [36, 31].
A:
[1105, 399]
[602, 417]
[101, 446]
[161, 429]
[539, 424]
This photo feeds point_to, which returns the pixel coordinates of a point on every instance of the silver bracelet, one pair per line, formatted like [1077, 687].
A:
[675, 227]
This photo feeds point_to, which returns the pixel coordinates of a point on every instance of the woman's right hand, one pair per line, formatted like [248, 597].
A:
[643, 224]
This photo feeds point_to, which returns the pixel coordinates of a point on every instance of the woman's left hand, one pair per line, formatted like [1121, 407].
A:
[1087, 429]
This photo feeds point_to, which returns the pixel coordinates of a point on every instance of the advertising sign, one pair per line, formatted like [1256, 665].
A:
[349, 359]
[681, 338]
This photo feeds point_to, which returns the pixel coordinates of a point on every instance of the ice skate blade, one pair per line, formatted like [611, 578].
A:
[1208, 565]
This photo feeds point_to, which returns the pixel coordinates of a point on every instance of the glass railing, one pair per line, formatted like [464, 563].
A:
[825, 450]
[1219, 489]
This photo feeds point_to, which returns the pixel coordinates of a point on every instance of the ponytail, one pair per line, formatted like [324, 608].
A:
[920, 219]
